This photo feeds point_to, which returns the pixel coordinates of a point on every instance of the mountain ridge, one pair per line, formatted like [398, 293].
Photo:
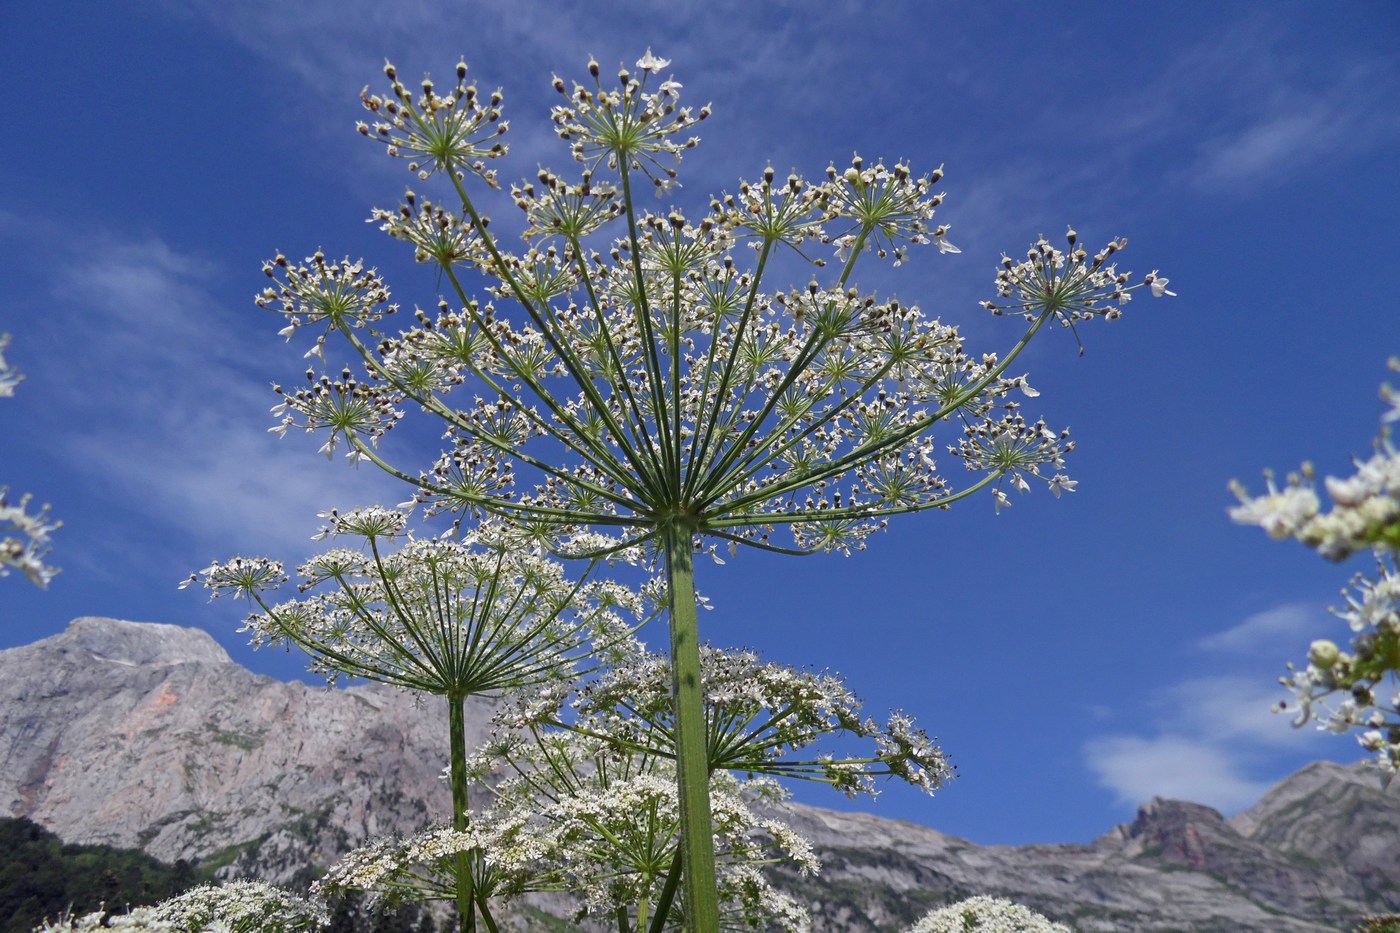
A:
[142, 735]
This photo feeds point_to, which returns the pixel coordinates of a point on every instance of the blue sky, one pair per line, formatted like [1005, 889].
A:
[1075, 656]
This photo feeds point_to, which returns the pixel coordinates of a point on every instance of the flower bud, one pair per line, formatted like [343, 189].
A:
[1323, 653]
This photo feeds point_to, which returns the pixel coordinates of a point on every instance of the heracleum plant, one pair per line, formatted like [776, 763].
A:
[481, 614]
[629, 378]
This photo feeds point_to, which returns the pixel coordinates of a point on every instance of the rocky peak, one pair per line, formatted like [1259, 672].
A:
[140, 643]
[1175, 830]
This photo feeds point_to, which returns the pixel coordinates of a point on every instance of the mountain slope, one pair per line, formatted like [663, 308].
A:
[149, 736]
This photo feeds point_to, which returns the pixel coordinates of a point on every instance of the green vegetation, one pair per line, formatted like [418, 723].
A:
[40, 877]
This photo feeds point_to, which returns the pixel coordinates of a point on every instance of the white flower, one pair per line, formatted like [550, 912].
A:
[940, 239]
[1280, 512]
[1158, 285]
[651, 63]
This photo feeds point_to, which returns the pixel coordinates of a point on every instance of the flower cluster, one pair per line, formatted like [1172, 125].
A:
[451, 133]
[759, 716]
[233, 907]
[1069, 285]
[651, 375]
[1359, 676]
[475, 615]
[882, 209]
[1364, 515]
[24, 536]
[242, 907]
[27, 549]
[423, 867]
[137, 920]
[581, 814]
[986, 915]
[629, 125]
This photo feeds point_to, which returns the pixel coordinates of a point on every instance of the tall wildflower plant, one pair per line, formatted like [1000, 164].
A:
[477, 615]
[629, 377]
[1357, 688]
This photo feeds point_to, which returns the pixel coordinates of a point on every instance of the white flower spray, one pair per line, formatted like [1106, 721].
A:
[1361, 686]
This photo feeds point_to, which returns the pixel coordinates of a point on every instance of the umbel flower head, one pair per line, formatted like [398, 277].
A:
[233, 907]
[986, 915]
[634, 365]
[762, 718]
[590, 796]
[475, 615]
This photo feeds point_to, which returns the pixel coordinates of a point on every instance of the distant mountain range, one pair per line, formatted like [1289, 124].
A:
[149, 736]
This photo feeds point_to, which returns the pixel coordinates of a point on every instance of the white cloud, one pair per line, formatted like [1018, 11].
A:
[1214, 738]
[1282, 626]
[1178, 767]
[1232, 710]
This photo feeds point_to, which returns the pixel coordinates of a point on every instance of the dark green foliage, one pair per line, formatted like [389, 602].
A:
[40, 877]
[1390, 923]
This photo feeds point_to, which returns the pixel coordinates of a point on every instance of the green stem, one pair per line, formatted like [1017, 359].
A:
[668, 894]
[692, 746]
[486, 915]
[466, 914]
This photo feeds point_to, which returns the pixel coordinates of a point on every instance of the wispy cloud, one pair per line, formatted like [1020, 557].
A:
[1281, 144]
[1241, 110]
[165, 411]
[1214, 738]
[1272, 627]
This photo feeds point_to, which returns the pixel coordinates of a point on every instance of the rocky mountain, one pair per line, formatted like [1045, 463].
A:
[149, 736]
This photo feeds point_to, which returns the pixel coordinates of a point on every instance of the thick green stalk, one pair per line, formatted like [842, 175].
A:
[692, 746]
[466, 913]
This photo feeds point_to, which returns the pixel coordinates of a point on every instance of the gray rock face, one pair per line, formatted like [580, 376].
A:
[148, 736]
